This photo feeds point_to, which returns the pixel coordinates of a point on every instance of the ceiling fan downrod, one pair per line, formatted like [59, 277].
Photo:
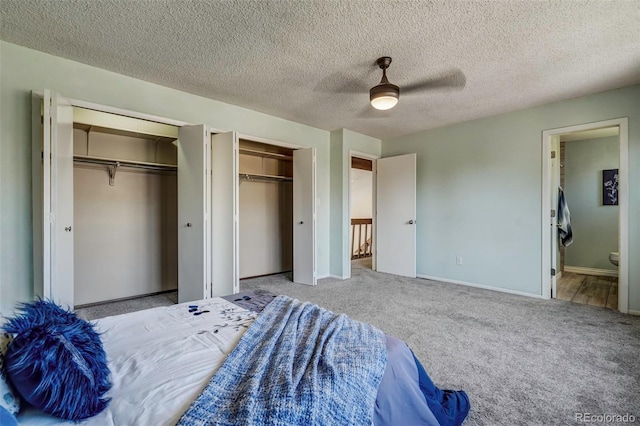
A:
[385, 95]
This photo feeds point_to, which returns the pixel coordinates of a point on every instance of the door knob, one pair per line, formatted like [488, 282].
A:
[411, 222]
[189, 225]
[301, 222]
[68, 229]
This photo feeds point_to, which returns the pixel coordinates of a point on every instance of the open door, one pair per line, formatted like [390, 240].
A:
[53, 199]
[304, 216]
[193, 210]
[396, 215]
[555, 184]
[224, 208]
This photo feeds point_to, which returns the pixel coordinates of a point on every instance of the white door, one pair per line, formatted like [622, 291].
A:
[53, 188]
[193, 223]
[304, 216]
[396, 215]
[224, 208]
[555, 184]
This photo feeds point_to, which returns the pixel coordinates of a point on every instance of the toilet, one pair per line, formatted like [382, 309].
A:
[613, 257]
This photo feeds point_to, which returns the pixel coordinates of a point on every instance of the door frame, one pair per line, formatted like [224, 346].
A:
[347, 225]
[623, 205]
[267, 141]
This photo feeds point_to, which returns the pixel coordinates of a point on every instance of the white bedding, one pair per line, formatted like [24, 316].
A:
[160, 360]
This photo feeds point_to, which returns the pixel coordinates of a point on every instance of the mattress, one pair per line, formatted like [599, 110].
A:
[160, 360]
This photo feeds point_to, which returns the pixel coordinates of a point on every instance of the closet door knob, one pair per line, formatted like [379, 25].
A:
[68, 229]
[301, 222]
[189, 225]
[411, 222]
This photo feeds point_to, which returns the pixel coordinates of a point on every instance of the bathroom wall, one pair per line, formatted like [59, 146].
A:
[594, 225]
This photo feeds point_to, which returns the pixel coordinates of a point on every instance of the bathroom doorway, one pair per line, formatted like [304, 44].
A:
[586, 250]
[585, 269]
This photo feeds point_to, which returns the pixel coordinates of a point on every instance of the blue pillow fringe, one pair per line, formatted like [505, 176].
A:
[57, 362]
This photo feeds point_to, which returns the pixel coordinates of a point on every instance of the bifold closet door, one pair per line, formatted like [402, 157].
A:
[304, 216]
[396, 215]
[53, 197]
[224, 221]
[193, 210]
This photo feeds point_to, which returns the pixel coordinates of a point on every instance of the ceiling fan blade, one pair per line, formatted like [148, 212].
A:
[341, 83]
[453, 79]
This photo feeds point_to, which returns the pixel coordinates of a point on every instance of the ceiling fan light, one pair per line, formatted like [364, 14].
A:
[384, 96]
[384, 102]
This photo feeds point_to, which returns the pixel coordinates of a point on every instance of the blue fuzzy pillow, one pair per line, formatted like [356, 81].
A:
[56, 361]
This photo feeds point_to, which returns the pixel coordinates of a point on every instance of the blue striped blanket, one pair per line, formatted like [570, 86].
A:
[297, 364]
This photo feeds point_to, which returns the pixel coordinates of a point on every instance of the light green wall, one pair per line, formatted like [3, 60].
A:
[594, 225]
[337, 210]
[23, 70]
[342, 143]
[479, 191]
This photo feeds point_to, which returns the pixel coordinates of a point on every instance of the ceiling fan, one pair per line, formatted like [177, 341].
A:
[385, 95]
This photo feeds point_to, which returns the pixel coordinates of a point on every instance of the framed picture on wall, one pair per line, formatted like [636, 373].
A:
[610, 187]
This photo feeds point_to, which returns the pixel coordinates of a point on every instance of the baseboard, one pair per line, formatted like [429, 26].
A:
[632, 312]
[485, 287]
[591, 271]
[122, 299]
[337, 277]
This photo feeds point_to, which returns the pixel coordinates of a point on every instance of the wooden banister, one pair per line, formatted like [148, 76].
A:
[361, 247]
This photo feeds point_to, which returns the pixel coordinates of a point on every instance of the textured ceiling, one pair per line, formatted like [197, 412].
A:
[314, 61]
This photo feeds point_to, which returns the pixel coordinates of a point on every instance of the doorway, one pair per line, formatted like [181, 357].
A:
[585, 188]
[361, 213]
[265, 210]
[587, 170]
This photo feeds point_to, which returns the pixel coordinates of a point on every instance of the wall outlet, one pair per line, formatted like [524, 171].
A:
[458, 260]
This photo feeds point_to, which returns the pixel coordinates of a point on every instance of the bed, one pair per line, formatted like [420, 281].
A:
[192, 363]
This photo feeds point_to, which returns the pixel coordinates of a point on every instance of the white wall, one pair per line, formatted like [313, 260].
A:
[23, 70]
[479, 191]
[125, 236]
[361, 193]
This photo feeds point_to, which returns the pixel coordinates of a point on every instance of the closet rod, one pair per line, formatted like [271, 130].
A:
[124, 163]
[265, 178]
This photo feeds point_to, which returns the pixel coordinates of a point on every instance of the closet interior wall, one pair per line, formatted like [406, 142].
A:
[265, 209]
[125, 234]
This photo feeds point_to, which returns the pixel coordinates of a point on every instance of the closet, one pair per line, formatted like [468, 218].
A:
[121, 203]
[127, 204]
[265, 209]
[124, 208]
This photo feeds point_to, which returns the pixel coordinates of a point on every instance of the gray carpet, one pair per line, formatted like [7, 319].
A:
[523, 361]
[130, 305]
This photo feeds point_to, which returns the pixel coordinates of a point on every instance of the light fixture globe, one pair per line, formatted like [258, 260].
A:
[385, 95]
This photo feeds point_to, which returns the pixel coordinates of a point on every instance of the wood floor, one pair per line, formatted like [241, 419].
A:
[588, 290]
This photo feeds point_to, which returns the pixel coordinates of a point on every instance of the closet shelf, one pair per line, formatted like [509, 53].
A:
[265, 154]
[124, 163]
[260, 177]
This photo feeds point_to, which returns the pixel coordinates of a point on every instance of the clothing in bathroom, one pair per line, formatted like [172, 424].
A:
[564, 220]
